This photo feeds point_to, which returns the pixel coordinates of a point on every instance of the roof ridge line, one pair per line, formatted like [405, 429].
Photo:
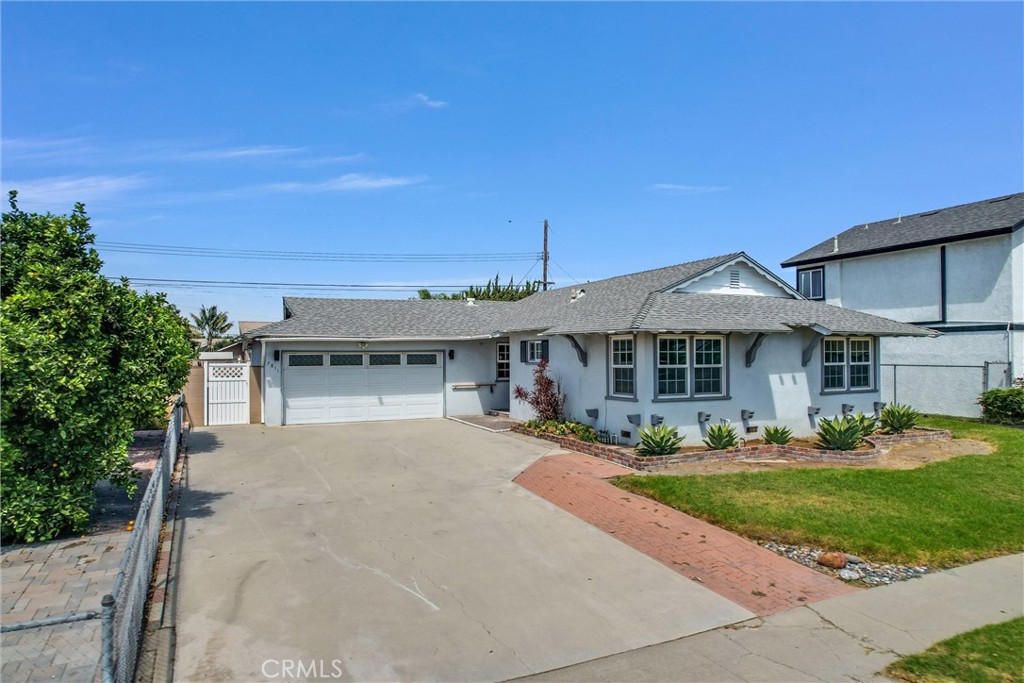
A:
[645, 308]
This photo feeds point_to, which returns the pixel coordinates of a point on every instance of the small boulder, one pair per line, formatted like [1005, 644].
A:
[849, 575]
[832, 560]
[853, 559]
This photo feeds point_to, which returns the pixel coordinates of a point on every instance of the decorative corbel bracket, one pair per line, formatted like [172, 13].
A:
[754, 346]
[581, 353]
[809, 349]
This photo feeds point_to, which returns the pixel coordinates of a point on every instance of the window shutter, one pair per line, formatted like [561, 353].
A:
[522, 352]
[544, 349]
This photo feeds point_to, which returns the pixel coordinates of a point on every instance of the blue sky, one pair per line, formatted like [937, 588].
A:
[649, 134]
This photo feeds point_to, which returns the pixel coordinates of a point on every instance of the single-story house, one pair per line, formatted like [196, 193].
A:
[716, 339]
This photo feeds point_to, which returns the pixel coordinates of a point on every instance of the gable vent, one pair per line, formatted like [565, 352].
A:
[734, 279]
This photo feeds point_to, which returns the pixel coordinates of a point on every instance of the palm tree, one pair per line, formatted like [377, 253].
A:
[211, 323]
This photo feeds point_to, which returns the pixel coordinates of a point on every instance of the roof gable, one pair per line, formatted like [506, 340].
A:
[965, 221]
[740, 275]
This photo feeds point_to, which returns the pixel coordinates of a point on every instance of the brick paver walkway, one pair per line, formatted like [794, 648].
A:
[732, 566]
[58, 578]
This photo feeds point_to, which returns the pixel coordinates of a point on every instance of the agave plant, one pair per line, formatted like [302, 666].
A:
[868, 424]
[897, 418]
[660, 440]
[777, 435]
[839, 434]
[720, 437]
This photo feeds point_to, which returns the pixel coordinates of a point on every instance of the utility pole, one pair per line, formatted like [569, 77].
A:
[544, 284]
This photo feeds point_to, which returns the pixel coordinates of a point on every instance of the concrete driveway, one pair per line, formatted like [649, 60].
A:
[402, 551]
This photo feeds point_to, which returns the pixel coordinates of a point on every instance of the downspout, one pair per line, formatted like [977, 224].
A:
[942, 283]
[263, 381]
[1010, 370]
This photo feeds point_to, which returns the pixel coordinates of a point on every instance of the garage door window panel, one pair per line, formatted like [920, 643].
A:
[385, 359]
[421, 359]
[305, 360]
[346, 359]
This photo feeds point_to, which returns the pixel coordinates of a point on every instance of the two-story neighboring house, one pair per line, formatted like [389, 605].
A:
[959, 271]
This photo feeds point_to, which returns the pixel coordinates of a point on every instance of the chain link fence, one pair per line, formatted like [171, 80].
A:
[943, 389]
[124, 607]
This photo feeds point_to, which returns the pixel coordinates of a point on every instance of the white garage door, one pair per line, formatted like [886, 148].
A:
[359, 386]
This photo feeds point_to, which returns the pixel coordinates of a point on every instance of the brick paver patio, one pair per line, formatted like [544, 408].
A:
[732, 566]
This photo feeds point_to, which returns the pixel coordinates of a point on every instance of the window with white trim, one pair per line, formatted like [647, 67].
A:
[708, 366]
[534, 351]
[503, 360]
[860, 364]
[833, 378]
[673, 366]
[623, 367]
[690, 366]
[847, 364]
[811, 283]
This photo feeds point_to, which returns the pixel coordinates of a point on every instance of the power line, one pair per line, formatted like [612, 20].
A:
[205, 252]
[233, 284]
[565, 271]
[523, 279]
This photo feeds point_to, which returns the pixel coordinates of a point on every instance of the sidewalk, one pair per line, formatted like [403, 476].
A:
[850, 637]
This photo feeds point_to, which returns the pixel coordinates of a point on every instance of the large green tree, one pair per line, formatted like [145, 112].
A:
[494, 290]
[84, 360]
[211, 323]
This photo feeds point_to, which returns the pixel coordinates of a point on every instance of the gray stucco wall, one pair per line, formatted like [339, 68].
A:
[777, 388]
[474, 362]
[903, 285]
[906, 285]
[979, 280]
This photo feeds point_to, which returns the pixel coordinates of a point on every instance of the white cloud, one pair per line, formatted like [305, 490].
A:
[416, 101]
[350, 182]
[425, 101]
[227, 153]
[49, 150]
[70, 189]
[687, 189]
[323, 161]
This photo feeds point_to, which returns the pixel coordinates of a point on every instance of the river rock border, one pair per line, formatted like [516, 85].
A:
[627, 457]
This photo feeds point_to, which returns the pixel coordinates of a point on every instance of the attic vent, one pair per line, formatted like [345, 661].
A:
[734, 279]
[1000, 199]
[930, 213]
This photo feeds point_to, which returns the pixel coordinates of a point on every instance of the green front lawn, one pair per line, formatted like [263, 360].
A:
[991, 653]
[942, 514]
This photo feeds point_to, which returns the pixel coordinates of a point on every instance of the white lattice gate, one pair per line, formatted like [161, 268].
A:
[227, 393]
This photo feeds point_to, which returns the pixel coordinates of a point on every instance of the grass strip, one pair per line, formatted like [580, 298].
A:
[993, 653]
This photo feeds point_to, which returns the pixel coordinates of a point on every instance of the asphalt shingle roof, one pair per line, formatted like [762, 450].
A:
[744, 313]
[247, 326]
[978, 219]
[387, 318]
[635, 302]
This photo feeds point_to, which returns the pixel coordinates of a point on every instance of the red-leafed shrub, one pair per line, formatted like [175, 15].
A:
[546, 399]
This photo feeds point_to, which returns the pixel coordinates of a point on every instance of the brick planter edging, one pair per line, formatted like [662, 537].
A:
[628, 457]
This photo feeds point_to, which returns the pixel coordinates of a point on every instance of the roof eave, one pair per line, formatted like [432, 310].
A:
[797, 261]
